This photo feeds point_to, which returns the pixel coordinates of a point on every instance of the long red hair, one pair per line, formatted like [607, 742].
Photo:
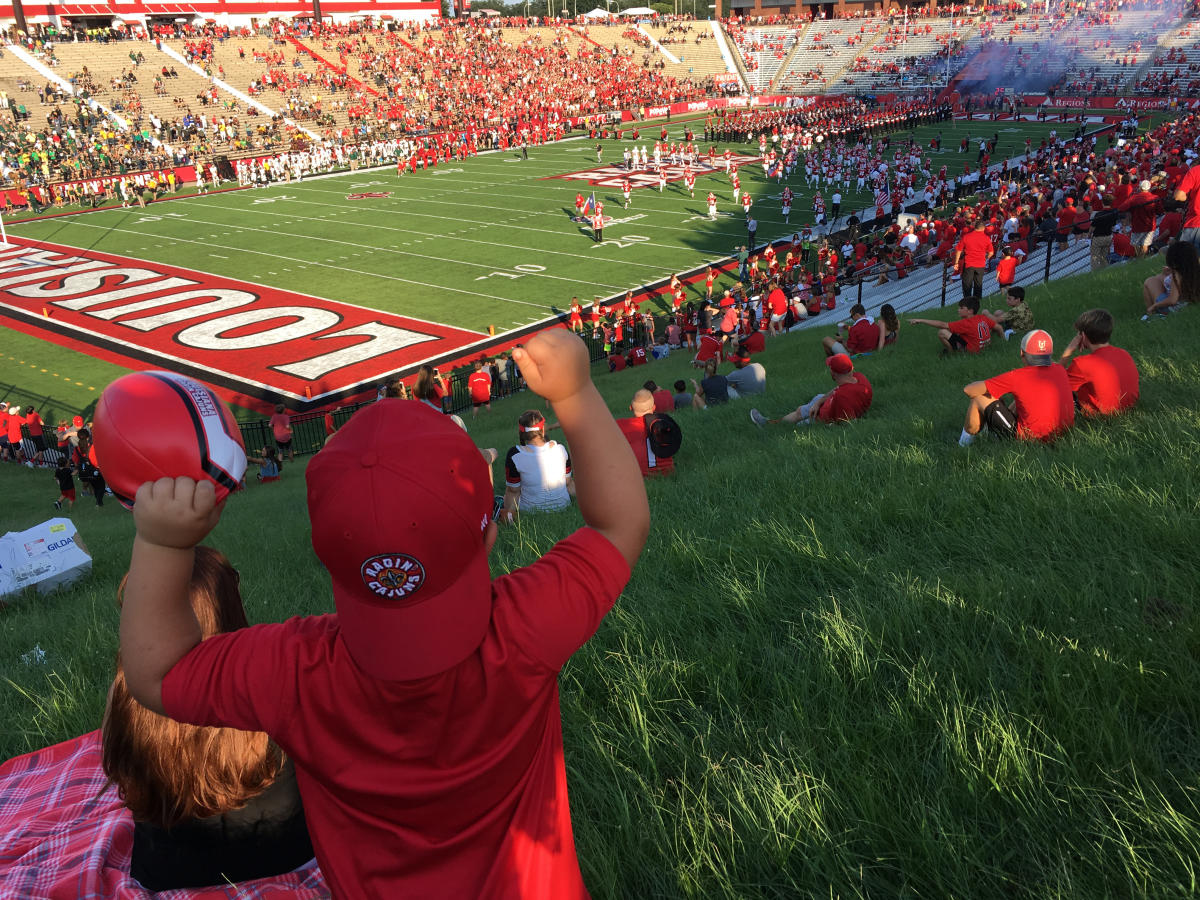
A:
[168, 772]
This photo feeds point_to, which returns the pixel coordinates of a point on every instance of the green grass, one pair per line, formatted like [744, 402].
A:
[856, 661]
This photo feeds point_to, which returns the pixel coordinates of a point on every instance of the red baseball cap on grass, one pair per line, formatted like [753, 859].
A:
[399, 500]
[840, 364]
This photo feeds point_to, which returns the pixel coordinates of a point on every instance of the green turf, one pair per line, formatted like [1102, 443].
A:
[489, 241]
[856, 661]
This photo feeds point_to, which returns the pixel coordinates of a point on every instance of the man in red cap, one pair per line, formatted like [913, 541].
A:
[848, 400]
[1043, 406]
[423, 717]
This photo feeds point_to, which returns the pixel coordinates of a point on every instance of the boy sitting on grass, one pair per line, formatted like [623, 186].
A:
[422, 717]
[972, 332]
[1018, 317]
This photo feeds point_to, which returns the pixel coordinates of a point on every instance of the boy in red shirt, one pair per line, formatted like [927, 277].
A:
[1106, 380]
[423, 717]
[863, 335]
[848, 400]
[1043, 405]
[972, 332]
[479, 385]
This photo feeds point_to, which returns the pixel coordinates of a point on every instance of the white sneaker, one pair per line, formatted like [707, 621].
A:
[758, 418]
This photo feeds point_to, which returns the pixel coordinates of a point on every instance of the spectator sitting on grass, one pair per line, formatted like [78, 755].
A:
[209, 805]
[708, 349]
[747, 377]
[683, 397]
[848, 400]
[1043, 405]
[1106, 380]
[537, 472]
[889, 325]
[972, 332]
[664, 402]
[1018, 317]
[1178, 283]
[862, 336]
[635, 429]
[712, 389]
[269, 468]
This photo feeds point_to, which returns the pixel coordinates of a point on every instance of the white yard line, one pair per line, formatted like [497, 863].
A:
[311, 262]
[429, 198]
[377, 249]
[440, 236]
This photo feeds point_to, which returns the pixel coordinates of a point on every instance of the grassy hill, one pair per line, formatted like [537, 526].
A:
[853, 661]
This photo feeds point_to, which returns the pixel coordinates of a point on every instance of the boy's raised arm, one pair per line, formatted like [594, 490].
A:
[158, 626]
[608, 482]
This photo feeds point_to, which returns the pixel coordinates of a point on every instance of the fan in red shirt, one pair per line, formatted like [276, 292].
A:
[634, 429]
[423, 717]
[972, 332]
[479, 385]
[1105, 381]
[863, 335]
[1043, 406]
[777, 306]
[848, 400]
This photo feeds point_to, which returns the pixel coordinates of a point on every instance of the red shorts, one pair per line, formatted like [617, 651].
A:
[70, 495]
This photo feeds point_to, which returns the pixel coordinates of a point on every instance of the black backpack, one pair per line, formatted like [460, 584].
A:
[662, 434]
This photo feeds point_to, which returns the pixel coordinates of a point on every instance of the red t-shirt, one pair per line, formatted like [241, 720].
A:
[847, 401]
[34, 423]
[1042, 399]
[1006, 271]
[281, 427]
[1105, 381]
[975, 247]
[634, 429]
[13, 426]
[637, 356]
[447, 786]
[777, 302]
[664, 401]
[480, 386]
[976, 330]
[616, 362]
[708, 348]
[1191, 185]
[755, 343]
[863, 336]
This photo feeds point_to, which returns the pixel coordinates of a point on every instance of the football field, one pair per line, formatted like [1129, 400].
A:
[454, 253]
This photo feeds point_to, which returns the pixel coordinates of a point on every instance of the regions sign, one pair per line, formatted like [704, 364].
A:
[257, 340]
[614, 176]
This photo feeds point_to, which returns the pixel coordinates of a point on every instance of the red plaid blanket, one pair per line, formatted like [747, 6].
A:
[62, 835]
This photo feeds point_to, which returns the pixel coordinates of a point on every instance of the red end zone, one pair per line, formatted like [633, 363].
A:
[244, 338]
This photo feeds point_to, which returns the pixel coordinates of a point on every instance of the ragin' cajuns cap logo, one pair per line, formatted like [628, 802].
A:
[370, 195]
[393, 576]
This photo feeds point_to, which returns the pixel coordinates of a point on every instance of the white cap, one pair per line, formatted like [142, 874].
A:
[1145, 185]
[13, 410]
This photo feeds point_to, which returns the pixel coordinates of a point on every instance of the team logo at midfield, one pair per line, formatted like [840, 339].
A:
[370, 195]
[613, 176]
[392, 576]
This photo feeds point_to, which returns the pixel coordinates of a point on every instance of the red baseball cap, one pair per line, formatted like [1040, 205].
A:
[400, 501]
[1038, 343]
[840, 364]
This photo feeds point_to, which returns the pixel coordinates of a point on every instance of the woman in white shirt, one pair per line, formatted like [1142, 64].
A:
[537, 472]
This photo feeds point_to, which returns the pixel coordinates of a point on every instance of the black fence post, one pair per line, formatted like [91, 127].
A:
[859, 291]
[1049, 253]
[945, 280]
